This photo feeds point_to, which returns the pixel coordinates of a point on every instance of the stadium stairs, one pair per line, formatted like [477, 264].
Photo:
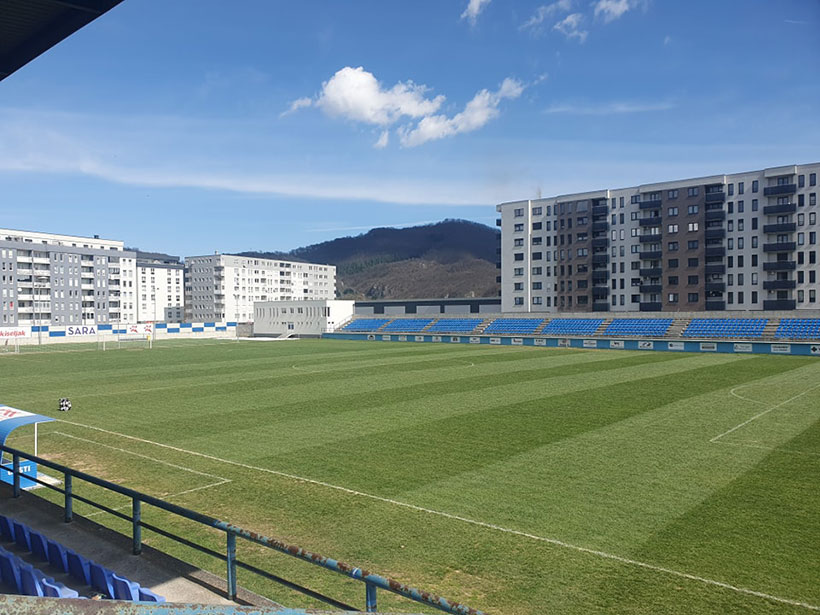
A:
[540, 327]
[600, 330]
[677, 328]
[770, 329]
[486, 323]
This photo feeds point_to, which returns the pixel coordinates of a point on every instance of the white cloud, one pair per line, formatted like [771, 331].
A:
[570, 27]
[667, 40]
[473, 10]
[384, 138]
[299, 103]
[535, 22]
[355, 94]
[610, 10]
[480, 110]
[611, 108]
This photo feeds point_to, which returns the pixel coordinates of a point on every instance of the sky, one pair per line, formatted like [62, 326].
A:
[196, 126]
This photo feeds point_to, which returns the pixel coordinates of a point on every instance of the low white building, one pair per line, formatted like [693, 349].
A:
[300, 318]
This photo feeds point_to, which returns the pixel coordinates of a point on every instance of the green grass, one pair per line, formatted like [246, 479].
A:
[567, 479]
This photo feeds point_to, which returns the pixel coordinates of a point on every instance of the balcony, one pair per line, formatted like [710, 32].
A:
[715, 233]
[655, 221]
[780, 246]
[787, 227]
[650, 272]
[780, 190]
[600, 242]
[716, 214]
[715, 306]
[598, 259]
[600, 210]
[779, 284]
[599, 292]
[715, 197]
[651, 306]
[715, 252]
[783, 208]
[599, 277]
[654, 204]
[600, 307]
[779, 266]
[651, 255]
[498, 221]
[650, 238]
[715, 269]
[779, 304]
[650, 288]
[715, 287]
[599, 226]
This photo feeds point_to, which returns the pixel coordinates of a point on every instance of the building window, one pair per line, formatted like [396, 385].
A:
[692, 279]
[537, 300]
[672, 280]
[812, 179]
[692, 262]
[692, 191]
[518, 301]
[672, 194]
[693, 209]
[672, 246]
[672, 211]
[692, 297]
[801, 181]
[693, 226]
[636, 198]
[730, 189]
[536, 256]
[740, 187]
[519, 228]
[519, 213]
[672, 228]
[536, 211]
[673, 297]
[673, 263]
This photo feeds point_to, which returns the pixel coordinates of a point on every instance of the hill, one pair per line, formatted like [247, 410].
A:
[453, 258]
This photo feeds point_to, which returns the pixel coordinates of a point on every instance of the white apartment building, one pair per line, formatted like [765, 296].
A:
[50, 279]
[161, 291]
[742, 241]
[224, 287]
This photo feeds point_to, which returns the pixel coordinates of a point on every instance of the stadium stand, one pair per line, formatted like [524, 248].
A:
[455, 325]
[572, 326]
[365, 324]
[798, 329]
[407, 325]
[654, 327]
[20, 577]
[743, 328]
[514, 326]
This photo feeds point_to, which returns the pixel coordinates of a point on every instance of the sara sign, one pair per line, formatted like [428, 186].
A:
[13, 332]
[80, 330]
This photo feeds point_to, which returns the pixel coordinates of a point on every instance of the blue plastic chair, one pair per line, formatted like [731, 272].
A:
[30, 581]
[146, 595]
[78, 567]
[101, 579]
[6, 529]
[21, 536]
[39, 548]
[55, 589]
[9, 571]
[124, 589]
[57, 555]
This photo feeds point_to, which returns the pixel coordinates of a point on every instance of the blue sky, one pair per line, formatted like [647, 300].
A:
[195, 125]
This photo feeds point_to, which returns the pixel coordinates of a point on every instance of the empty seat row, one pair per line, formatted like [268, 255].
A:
[639, 326]
[407, 325]
[799, 328]
[84, 571]
[455, 325]
[22, 578]
[520, 326]
[366, 324]
[572, 326]
[726, 327]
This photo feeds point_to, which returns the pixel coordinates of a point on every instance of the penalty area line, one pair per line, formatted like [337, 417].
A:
[483, 524]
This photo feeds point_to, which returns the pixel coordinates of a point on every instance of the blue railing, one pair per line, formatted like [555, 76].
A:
[373, 582]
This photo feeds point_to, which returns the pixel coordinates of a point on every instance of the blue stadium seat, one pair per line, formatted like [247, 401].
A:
[455, 325]
[57, 556]
[30, 581]
[572, 326]
[21, 536]
[365, 324]
[9, 571]
[6, 529]
[146, 595]
[727, 328]
[54, 589]
[798, 329]
[101, 579]
[655, 327]
[78, 567]
[514, 326]
[39, 547]
[407, 325]
[123, 589]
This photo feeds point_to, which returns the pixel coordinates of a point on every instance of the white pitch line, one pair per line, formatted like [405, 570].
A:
[765, 412]
[769, 448]
[483, 524]
[754, 401]
[164, 497]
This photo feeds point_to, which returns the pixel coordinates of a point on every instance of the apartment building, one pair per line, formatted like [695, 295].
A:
[50, 279]
[224, 287]
[744, 241]
[161, 291]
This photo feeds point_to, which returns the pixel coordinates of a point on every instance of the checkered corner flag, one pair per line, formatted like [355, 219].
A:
[65, 404]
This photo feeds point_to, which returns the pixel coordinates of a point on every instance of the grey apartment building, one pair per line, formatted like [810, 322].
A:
[49, 279]
[745, 241]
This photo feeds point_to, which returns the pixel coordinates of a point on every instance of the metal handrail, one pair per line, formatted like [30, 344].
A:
[372, 581]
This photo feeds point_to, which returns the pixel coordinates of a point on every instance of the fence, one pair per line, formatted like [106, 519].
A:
[373, 582]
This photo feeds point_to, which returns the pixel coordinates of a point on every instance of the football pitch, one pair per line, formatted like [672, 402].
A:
[516, 480]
